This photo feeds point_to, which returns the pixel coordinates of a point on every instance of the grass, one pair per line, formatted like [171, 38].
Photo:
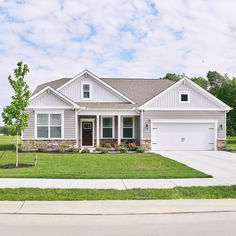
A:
[231, 143]
[94, 166]
[35, 194]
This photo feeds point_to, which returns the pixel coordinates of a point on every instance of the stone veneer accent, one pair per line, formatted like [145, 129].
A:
[33, 145]
[146, 143]
[221, 144]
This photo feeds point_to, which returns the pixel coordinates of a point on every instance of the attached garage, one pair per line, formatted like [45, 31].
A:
[183, 134]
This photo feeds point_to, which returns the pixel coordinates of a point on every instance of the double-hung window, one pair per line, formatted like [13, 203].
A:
[107, 127]
[128, 124]
[49, 126]
[86, 91]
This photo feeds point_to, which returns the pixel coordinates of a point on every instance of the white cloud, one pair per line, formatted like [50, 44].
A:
[59, 38]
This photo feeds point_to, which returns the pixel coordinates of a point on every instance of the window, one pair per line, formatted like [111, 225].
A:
[49, 126]
[107, 127]
[86, 125]
[128, 127]
[184, 97]
[86, 91]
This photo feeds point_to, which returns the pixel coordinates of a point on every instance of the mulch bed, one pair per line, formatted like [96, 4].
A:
[12, 166]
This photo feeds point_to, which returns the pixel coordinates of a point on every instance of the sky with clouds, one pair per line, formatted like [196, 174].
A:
[119, 38]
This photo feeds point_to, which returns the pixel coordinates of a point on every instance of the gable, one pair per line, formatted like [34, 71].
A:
[171, 99]
[99, 93]
[48, 100]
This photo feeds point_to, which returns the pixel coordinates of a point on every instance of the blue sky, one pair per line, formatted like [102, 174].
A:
[121, 38]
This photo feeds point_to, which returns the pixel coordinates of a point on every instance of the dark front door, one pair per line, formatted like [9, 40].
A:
[87, 133]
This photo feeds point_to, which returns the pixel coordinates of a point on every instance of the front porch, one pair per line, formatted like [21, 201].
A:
[98, 130]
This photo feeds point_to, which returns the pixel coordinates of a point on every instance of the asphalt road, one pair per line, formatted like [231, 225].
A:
[212, 224]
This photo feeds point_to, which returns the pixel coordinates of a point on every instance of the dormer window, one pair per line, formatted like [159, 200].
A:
[184, 97]
[86, 91]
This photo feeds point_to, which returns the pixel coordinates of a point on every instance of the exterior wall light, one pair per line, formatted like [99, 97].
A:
[146, 126]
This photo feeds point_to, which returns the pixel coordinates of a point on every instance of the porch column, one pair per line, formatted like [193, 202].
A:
[119, 138]
[141, 125]
[97, 127]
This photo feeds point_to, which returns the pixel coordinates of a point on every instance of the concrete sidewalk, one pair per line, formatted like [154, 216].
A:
[120, 184]
[127, 207]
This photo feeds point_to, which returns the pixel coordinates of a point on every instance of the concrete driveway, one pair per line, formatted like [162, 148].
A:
[219, 164]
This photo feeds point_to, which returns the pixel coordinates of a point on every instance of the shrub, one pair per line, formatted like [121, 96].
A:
[98, 149]
[105, 150]
[107, 145]
[131, 146]
[117, 147]
[42, 148]
[73, 149]
[123, 149]
[61, 148]
[140, 149]
[19, 147]
[85, 150]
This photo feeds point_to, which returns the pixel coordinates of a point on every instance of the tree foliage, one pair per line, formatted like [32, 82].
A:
[14, 116]
[222, 87]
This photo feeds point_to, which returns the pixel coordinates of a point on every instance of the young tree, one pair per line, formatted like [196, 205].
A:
[14, 116]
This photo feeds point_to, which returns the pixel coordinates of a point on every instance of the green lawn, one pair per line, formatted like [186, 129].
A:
[93, 166]
[35, 194]
[231, 143]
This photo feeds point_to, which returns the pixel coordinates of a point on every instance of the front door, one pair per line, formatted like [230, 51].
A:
[87, 133]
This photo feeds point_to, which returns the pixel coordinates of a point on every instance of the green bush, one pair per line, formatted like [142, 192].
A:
[61, 148]
[73, 149]
[140, 149]
[86, 150]
[105, 150]
[98, 149]
[123, 149]
[42, 148]
[107, 145]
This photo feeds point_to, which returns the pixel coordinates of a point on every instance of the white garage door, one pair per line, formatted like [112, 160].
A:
[183, 136]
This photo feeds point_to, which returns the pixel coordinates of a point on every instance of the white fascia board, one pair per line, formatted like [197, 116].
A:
[209, 95]
[99, 80]
[189, 121]
[56, 93]
[183, 109]
[193, 84]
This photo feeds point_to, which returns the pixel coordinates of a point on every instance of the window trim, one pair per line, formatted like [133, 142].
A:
[90, 91]
[127, 127]
[113, 127]
[184, 93]
[48, 113]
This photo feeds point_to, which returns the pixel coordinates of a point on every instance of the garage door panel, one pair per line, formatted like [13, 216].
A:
[178, 136]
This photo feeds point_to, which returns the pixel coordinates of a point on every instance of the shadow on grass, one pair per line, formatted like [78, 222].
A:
[6, 147]
[13, 166]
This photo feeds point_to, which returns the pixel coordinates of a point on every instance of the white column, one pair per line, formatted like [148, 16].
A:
[119, 138]
[141, 125]
[97, 126]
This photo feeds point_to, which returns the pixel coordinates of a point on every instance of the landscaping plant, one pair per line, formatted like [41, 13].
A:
[85, 150]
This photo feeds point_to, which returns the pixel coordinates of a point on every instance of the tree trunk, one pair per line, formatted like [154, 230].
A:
[16, 148]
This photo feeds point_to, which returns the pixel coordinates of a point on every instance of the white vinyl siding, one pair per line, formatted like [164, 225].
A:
[171, 100]
[48, 100]
[99, 92]
[211, 115]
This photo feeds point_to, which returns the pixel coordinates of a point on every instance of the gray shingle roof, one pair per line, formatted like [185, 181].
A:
[138, 90]
[54, 84]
